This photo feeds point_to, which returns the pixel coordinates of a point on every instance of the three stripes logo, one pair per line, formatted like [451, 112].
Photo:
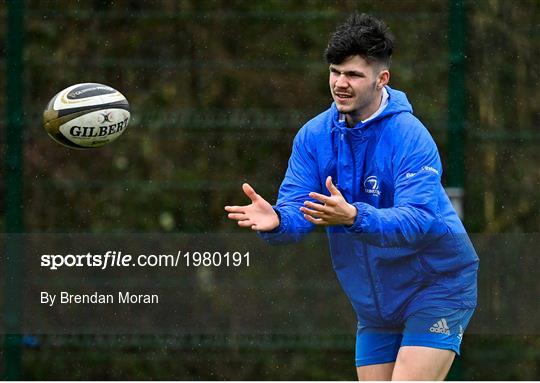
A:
[440, 327]
[460, 335]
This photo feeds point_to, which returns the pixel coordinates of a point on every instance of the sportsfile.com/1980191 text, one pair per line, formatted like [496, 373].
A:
[118, 259]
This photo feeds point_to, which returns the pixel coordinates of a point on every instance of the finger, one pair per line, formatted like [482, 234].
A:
[322, 198]
[245, 223]
[313, 213]
[317, 206]
[237, 216]
[316, 221]
[250, 192]
[235, 209]
[331, 187]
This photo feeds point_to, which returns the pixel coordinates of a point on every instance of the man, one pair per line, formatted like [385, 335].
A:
[369, 171]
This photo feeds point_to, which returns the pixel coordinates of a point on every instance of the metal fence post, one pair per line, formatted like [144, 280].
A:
[456, 104]
[456, 121]
[14, 189]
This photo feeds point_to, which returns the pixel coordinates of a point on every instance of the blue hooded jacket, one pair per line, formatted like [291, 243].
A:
[407, 248]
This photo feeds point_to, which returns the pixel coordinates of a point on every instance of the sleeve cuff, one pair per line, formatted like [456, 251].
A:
[361, 212]
[282, 228]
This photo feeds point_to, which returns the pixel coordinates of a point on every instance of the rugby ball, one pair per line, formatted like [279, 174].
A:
[86, 116]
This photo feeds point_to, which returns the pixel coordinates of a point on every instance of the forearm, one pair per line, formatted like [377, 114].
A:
[396, 226]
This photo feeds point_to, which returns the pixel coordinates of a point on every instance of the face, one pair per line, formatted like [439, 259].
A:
[356, 87]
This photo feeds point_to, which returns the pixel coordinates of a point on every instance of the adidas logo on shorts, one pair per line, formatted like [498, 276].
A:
[440, 327]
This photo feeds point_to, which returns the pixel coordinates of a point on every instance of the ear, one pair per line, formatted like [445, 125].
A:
[383, 78]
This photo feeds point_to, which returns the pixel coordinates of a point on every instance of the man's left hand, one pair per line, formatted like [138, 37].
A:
[332, 210]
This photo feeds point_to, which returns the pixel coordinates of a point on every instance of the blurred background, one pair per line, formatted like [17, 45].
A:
[218, 89]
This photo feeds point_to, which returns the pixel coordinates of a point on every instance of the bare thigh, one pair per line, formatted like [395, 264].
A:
[422, 363]
[381, 371]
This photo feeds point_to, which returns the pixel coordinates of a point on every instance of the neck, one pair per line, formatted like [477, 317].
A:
[364, 113]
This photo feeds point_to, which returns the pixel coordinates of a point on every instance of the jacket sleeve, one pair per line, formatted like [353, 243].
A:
[417, 184]
[300, 179]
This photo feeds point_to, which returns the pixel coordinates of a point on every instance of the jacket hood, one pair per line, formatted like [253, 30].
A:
[397, 103]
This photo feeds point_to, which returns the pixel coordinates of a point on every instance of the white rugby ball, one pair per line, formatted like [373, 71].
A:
[86, 116]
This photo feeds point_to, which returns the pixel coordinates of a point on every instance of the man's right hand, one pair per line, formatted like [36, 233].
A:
[258, 215]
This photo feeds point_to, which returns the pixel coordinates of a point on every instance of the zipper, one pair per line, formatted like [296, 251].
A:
[364, 246]
[370, 276]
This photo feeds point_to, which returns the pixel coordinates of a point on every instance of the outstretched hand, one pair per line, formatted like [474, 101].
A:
[332, 210]
[258, 215]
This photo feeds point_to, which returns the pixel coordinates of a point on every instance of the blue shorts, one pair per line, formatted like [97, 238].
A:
[434, 327]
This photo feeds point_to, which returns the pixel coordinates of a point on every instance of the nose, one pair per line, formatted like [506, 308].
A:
[341, 81]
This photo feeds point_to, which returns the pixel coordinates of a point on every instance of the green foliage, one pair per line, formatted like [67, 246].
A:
[191, 364]
[484, 358]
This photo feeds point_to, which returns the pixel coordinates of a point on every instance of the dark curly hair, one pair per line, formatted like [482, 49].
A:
[362, 35]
